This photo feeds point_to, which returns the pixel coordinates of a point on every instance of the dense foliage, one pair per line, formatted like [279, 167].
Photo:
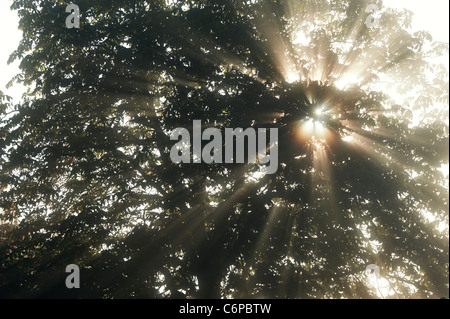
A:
[86, 176]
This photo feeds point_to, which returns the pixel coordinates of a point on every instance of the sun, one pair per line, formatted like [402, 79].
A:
[292, 77]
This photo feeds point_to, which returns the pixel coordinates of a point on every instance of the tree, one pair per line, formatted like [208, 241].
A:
[86, 176]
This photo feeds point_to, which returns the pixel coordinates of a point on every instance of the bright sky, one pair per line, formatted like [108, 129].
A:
[431, 15]
[10, 36]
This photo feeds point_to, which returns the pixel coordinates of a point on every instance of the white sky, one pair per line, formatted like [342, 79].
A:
[10, 37]
[430, 15]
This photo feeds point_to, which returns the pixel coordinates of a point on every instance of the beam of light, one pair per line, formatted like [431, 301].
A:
[369, 144]
[289, 239]
[389, 158]
[321, 174]
[348, 138]
[346, 81]
[275, 214]
[278, 217]
[191, 223]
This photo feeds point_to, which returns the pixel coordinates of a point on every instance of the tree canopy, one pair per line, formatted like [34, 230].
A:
[86, 177]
